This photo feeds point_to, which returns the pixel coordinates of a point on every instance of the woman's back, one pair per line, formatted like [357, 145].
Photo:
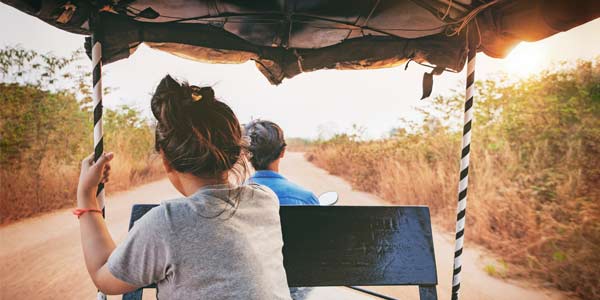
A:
[200, 247]
[219, 242]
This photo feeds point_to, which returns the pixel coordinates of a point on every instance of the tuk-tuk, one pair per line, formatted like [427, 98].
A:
[286, 38]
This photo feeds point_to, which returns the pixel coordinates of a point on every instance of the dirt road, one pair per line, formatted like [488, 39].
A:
[41, 258]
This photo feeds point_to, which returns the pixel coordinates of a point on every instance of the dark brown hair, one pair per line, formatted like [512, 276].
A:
[196, 133]
[266, 142]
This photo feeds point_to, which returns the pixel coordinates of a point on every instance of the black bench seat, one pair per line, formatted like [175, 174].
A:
[352, 246]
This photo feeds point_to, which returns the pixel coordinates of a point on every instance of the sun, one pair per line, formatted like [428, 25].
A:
[525, 59]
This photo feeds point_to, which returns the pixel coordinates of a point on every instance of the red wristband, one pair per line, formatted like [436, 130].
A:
[80, 211]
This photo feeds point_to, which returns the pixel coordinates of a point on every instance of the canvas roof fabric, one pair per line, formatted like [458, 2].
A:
[288, 37]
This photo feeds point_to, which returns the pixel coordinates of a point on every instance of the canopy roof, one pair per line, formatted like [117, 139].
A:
[287, 37]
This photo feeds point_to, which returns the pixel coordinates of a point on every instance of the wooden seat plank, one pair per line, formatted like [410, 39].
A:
[351, 245]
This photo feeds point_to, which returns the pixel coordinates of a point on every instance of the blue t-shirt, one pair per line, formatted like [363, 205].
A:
[288, 192]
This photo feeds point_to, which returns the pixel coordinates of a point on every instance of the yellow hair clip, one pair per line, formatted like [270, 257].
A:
[196, 97]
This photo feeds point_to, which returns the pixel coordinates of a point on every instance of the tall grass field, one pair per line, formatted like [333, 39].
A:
[45, 132]
[534, 196]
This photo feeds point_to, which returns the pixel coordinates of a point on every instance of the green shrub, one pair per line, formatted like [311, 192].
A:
[46, 129]
[534, 197]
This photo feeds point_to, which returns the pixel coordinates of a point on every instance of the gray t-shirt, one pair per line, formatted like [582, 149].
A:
[200, 247]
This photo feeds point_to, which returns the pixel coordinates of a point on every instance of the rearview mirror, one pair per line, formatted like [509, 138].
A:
[328, 198]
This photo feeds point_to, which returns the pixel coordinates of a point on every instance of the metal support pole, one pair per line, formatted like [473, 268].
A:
[97, 101]
[464, 168]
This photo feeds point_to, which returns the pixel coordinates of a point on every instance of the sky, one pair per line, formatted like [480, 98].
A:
[310, 104]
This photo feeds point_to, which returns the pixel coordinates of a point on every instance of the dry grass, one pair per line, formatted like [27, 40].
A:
[45, 128]
[23, 195]
[534, 194]
[44, 136]
[298, 144]
[553, 242]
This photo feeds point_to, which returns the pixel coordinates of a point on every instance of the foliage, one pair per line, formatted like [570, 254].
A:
[534, 197]
[45, 131]
[298, 144]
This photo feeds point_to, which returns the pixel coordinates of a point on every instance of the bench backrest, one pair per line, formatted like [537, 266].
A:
[354, 245]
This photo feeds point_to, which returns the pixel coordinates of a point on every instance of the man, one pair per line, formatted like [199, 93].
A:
[267, 146]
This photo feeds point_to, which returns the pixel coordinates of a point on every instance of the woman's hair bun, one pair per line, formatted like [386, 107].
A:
[169, 101]
[196, 133]
[207, 93]
[172, 100]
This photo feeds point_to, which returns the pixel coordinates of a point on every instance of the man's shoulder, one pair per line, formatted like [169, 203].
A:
[287, 191]
[297, 192]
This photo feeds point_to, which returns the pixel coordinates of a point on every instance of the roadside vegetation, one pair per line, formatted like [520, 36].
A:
[296, 144]
[534, 196]
[45, 131]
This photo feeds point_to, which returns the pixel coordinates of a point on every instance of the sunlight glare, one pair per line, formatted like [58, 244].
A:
[525, 59]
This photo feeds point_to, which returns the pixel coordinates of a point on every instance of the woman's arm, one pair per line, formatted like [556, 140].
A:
[96, 241]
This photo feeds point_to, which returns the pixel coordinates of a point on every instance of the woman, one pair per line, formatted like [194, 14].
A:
[219, 242]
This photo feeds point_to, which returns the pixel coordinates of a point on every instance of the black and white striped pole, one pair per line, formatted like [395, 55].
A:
[464, 168]
[97, 102]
